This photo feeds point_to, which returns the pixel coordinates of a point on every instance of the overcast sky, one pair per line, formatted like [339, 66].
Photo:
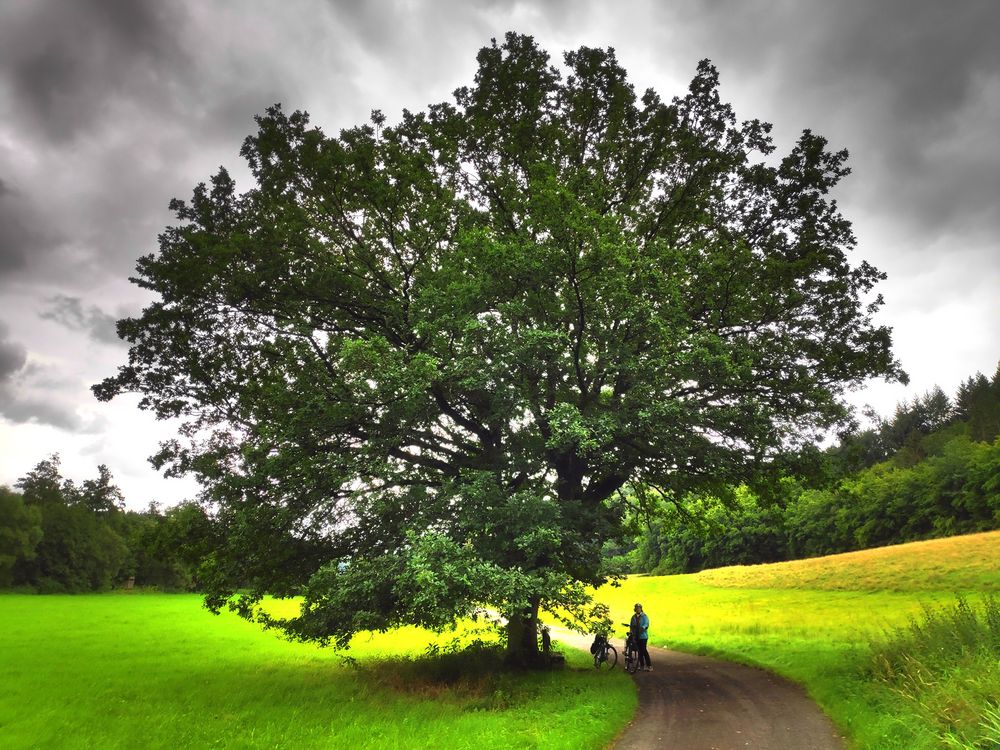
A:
[109, 108]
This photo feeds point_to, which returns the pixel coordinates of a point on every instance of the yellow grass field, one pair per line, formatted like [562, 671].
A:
[956, 564]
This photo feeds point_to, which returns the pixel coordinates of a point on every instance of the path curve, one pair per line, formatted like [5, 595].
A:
[693, 702]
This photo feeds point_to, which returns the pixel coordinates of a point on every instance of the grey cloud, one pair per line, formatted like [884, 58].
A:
[12, 358]
[13, 355]
[95, 448]
[12, 245]
[907, 86]
[140, 70]
[924, 56]
[21, 409]
[27, 398]
[19, 406]
[21, 234]
[388, 26]
[67, 61]
[429, 47]
[377, 23]
[925, 68]
[85, 88]
[122, 105]
[71, 313]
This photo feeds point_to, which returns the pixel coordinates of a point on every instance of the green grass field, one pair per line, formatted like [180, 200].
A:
[158, 671]
[815, 620]
[149, 670]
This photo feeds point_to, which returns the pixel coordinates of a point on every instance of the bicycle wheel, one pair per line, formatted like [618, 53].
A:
[631, 661]
[609, 660]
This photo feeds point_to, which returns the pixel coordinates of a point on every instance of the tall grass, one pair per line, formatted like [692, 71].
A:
[945, 668]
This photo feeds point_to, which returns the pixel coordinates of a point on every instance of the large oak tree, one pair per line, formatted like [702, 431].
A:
[419, 363]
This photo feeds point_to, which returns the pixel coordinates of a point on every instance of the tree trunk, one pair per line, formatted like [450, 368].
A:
[522, 637]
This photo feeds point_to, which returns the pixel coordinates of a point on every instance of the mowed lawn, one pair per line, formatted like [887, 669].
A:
[158, 671]
[814, 620]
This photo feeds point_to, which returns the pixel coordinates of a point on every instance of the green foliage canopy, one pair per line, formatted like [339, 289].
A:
[76, 548]
[418, 362]
[58, 536]
[20, 532]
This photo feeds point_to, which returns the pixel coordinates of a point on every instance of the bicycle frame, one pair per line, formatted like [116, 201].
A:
[606, 655]
[631, 655]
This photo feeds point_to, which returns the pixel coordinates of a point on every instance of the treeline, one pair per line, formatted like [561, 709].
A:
[931, 470]
[57, 536]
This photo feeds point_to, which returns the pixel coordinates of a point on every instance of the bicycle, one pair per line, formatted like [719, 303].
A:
[631, 653]
[605, 655]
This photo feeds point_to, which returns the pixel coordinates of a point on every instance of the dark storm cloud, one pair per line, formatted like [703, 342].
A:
[12, 355]
[912, 89]
[68, 73]
[142, 68]
[24, 234]
[112, 107]
[90, 319]
[66, 61]
[14, 238]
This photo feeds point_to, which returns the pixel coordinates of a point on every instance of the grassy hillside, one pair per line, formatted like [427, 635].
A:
[961, 563]
[823, 622]
[158, 671]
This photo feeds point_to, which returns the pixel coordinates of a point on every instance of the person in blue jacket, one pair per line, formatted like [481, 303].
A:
[639, 628]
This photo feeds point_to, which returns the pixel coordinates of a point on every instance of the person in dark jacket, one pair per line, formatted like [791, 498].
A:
[639, 628]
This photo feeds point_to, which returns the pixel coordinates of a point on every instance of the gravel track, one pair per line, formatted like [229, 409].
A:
[699, 703]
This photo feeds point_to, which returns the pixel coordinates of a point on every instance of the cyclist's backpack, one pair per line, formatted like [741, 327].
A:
[598, 644]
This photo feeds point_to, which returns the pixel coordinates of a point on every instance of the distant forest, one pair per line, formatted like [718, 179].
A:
[59, 537]
[931, 470]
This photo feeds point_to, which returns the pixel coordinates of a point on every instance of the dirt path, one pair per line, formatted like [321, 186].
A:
[699, 703]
